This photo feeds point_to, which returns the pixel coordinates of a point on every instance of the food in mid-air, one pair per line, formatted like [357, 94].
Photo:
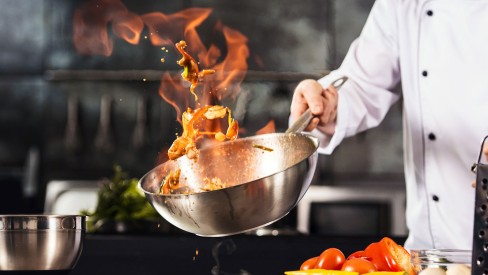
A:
[192, 121]
[186, 143]
[191, 72]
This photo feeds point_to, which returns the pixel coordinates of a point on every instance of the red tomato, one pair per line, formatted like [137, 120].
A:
[358, 254]
[380, 257]
[359, 265]
[309, 264]
[399, 254]
[387, 255]
[331, 259]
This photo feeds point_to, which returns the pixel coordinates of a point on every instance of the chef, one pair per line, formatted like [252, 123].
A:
[438, 50]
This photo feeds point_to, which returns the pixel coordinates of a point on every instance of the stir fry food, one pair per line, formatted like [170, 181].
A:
[186, 143]
[192, 120]
[191, 73]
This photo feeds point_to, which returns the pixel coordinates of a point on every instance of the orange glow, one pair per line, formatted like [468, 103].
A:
[191, 122]
[90, 35]
[167, 29]
[227, 74]
[191, 72]
[174, 93]
[128, 26]
[232, 70]
[267, 129]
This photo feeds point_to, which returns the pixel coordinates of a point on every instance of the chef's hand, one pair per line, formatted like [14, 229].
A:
[485, 152]
[322, 103]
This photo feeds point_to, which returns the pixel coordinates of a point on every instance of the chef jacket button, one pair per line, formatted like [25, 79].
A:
[435, 198]
[430, 13]
[424, 73]
[431, 136]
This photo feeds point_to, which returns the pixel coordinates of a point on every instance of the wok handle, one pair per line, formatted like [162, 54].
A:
[305, 118]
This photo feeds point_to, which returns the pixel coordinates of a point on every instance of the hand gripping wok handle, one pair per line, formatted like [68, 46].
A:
[303, 120]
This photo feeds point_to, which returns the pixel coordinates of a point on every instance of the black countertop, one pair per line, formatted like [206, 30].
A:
[187, 254]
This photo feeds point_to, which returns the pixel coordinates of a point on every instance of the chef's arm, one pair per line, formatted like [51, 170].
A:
[372, 67]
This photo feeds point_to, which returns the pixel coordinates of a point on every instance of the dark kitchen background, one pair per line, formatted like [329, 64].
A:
[71, 116]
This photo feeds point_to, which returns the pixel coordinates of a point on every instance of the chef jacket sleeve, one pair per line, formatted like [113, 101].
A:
[372, 66]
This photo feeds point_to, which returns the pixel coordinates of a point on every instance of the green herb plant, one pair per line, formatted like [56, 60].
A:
[120, 201]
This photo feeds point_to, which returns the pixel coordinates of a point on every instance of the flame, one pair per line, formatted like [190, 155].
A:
[129, 27]
[167, 29]
[91, 37]
[90, 34]
[232, 69]
[229, 72]
[174, 93]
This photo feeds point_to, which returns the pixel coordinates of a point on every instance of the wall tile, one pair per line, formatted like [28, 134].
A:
[23, 35]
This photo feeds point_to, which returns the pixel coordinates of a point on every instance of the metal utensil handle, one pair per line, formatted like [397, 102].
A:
[305, 118]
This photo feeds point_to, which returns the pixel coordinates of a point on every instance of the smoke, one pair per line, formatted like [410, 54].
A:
[225, 247]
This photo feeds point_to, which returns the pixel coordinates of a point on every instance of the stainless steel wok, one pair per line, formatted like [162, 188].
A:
[264, 185]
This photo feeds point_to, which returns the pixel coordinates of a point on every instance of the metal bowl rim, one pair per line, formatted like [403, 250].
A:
[40, 216]
[42, 222]
[314, 139]
[438, 256]
[442, 250]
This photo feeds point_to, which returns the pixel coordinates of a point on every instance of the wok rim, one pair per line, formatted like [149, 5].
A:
[313, 138]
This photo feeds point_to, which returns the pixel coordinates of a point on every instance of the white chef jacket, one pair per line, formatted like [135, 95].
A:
[439, 51]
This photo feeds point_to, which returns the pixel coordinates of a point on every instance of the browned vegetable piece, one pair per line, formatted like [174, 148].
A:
[191, 73]
[170, 182]
[262, 147]
[186, 143]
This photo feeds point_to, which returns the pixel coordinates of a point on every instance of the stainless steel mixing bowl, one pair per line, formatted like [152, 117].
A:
[40, 242]
[265, 185]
